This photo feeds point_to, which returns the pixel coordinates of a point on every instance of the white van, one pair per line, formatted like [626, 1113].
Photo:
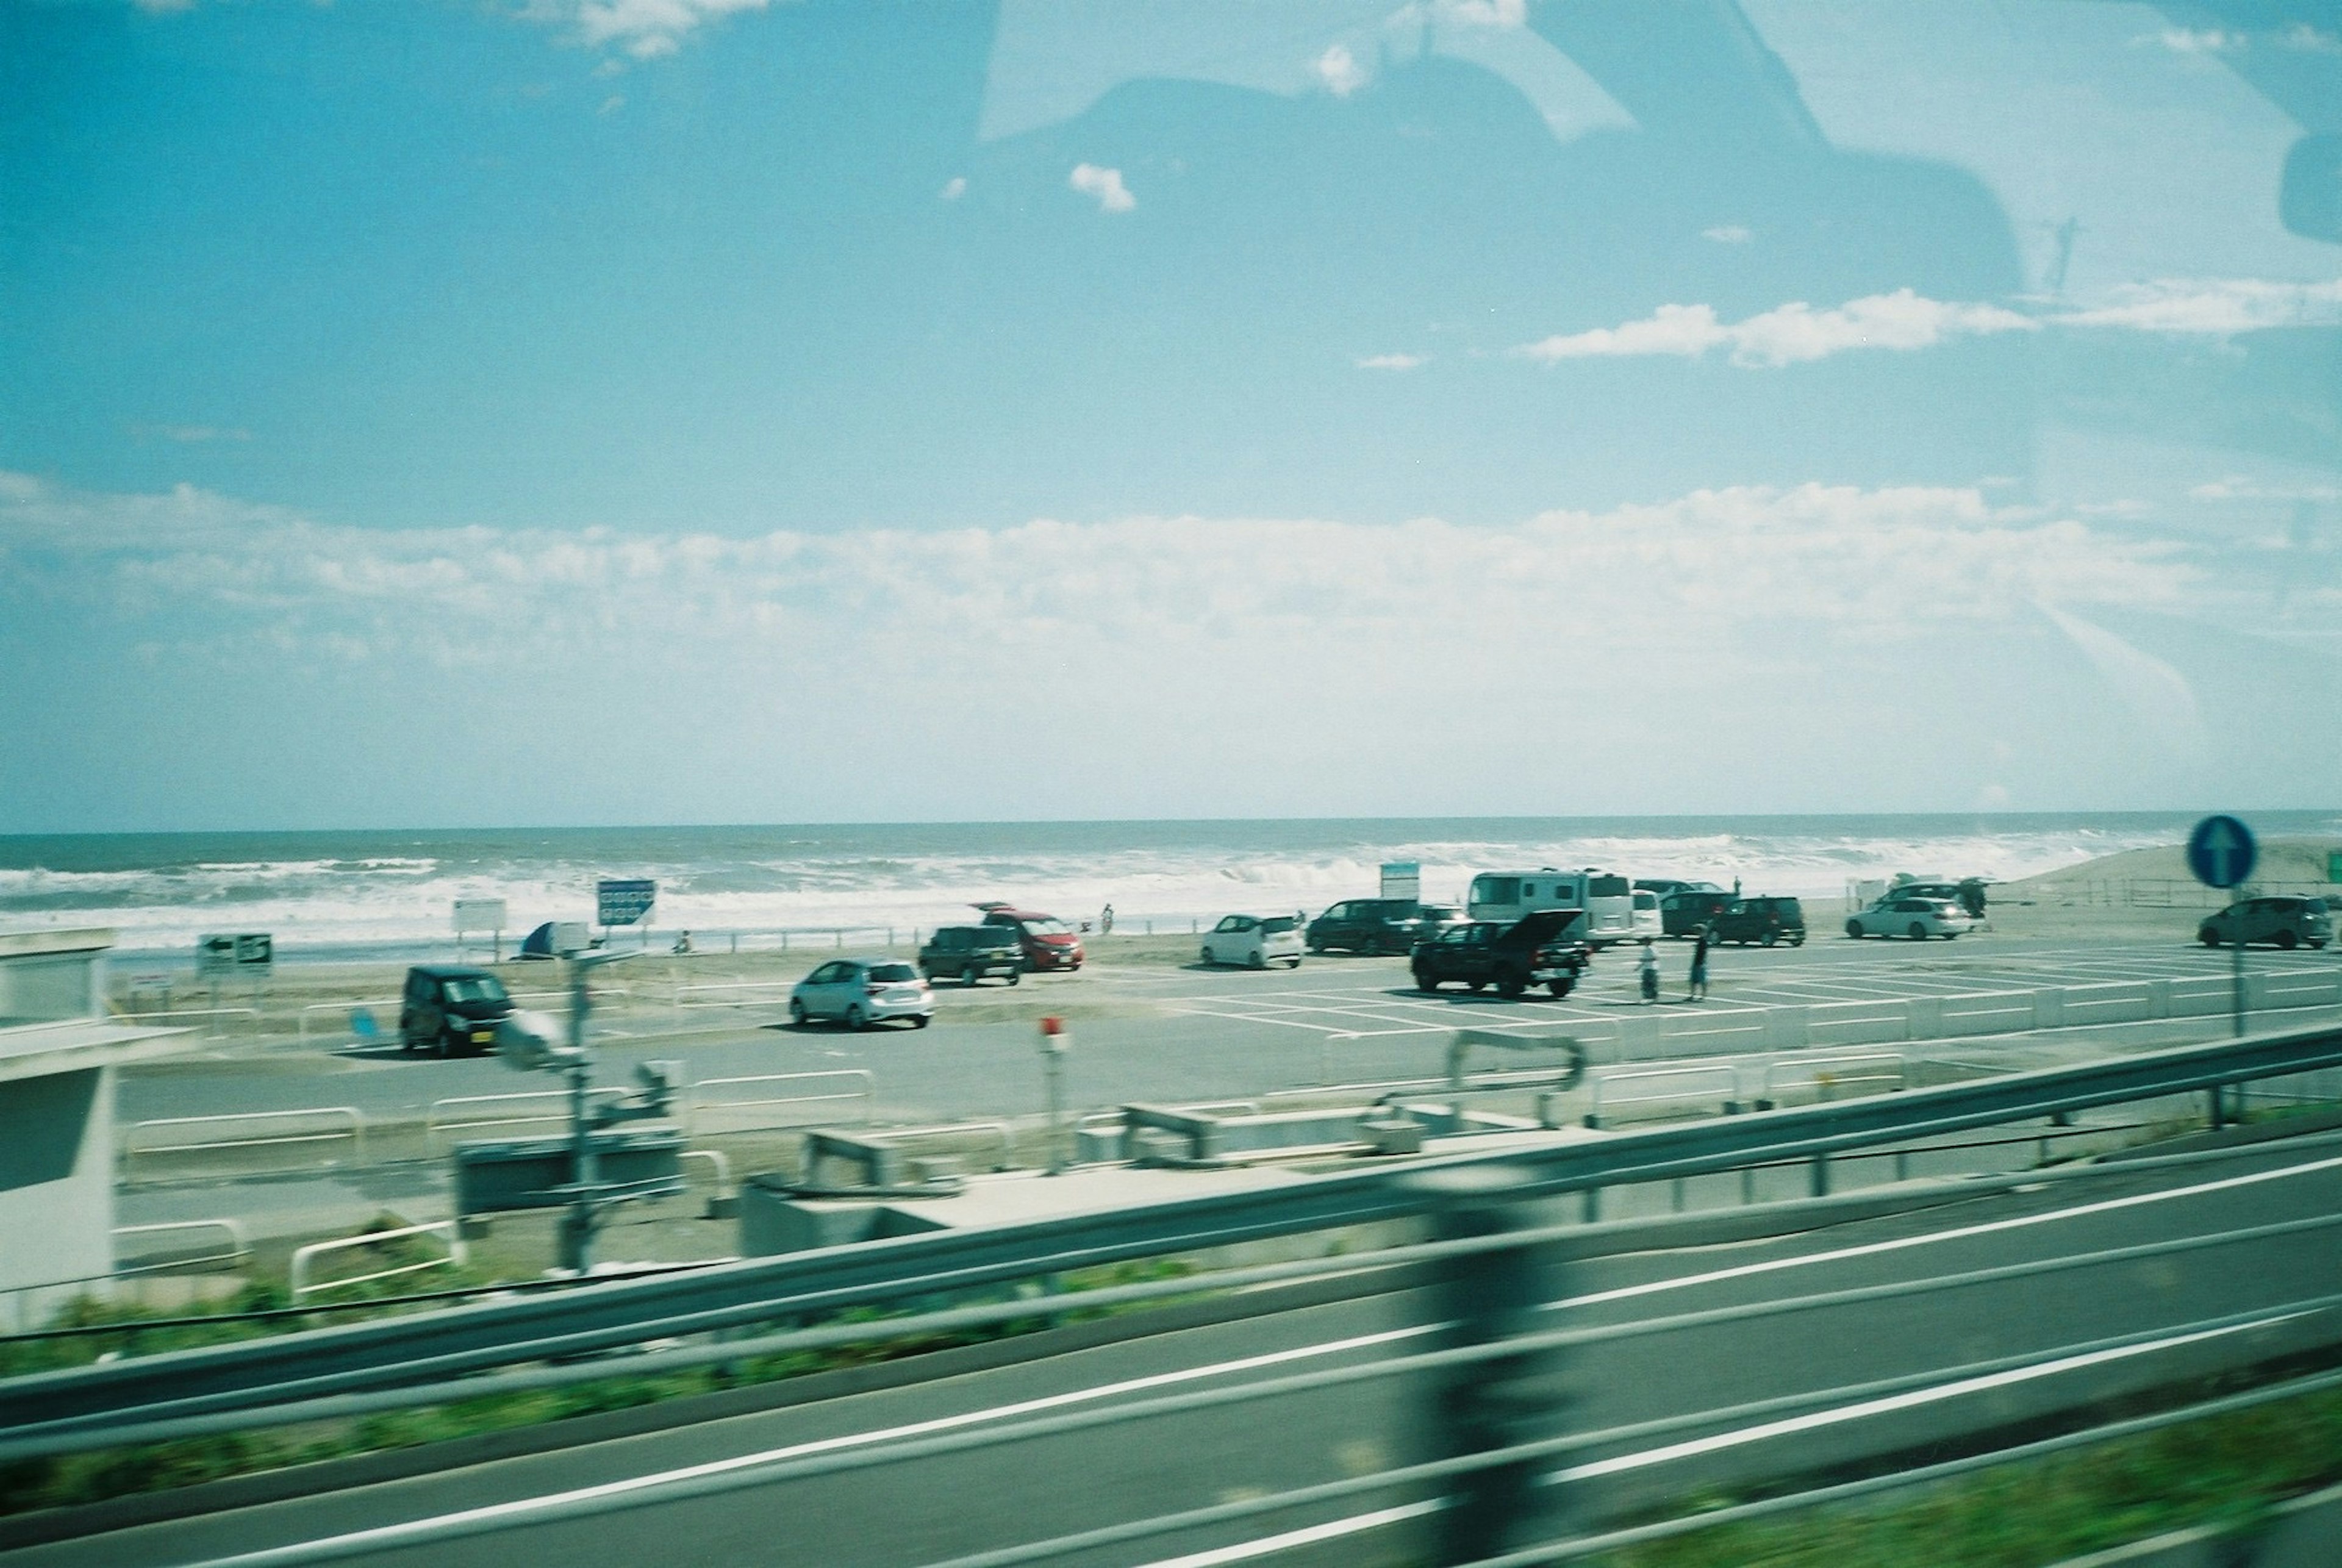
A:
[1616, 910]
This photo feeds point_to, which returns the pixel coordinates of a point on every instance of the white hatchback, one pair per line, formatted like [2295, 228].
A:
[1256, 941]
[860, 992]
[1916, 918]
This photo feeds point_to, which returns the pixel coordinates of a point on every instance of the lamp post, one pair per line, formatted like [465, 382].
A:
[525, 1042]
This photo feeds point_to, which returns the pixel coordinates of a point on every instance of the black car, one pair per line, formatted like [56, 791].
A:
[1367, 926]
[1684, 911]
[1766, 920]
[969, 952]
[1535, 949]
[451, 1010]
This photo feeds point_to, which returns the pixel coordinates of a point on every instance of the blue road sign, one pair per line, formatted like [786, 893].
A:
[2221, 851]
[624, 902]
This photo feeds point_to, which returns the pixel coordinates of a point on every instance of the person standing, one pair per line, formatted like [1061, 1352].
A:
[1697, 991]
[1106, 921]
[1650, 963]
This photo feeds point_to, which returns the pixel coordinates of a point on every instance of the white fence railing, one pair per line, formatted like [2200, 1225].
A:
[547, 1110]
[304, 1132]
[715, 1107]
[304, 1258]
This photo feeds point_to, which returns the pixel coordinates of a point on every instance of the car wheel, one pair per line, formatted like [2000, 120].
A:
[1560, 988]
[1424, 981]
[446, 1045]
[971, 977]
[2286, 940]
[2209, 937]
[1771, 937]
[1295, 962]
[855, 1018]
[1015, 975]
[1259, 959]
[1918, 932]
[1476, 986]
[1799, 939]
[1510, 986]
[1854, 929]
[921, 1021]
[1207, 956]
[796, 1013]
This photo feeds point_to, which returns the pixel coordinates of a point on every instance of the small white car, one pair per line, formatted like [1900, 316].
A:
[1916, 918]
[1255, 941]
[860, 992]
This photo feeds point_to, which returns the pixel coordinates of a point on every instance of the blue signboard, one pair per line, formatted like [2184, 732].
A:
[2221, 851]
[624, 902]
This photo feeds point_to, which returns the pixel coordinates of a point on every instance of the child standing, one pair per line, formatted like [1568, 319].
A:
[1698, 990]
[1650, 963]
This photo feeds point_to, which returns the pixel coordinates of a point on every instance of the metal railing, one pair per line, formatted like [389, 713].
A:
[1647, 1086]
[703, 1109]
[303, 1258]
[420, 1348]
[246, 1130]
[238, 1249]
[504, 1112]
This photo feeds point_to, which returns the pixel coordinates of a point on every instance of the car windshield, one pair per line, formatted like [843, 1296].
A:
[891, 974]
[475, 988]
[1441, 913]
[1046, 925]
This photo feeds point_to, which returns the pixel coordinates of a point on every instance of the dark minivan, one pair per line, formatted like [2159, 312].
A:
[450, 1009]
[969, 952]
[1367, 926]
[1765, 920]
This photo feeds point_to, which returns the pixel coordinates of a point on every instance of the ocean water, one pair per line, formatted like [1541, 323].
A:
[392, 894]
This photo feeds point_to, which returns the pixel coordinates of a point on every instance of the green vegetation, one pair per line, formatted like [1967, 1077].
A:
[91, 1477]
[2223, 1468]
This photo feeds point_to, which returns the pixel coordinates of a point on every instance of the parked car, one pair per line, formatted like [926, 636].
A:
[1431, 919]
[1539, 949]
[1368, 926]
[860, 992]
[1766, 920]
[1897, 914]
[969, 952]
[2286, 921]
[1255, 941]
[1684, 911]
[1662, 885]
[1048, 942]
[451, 1009]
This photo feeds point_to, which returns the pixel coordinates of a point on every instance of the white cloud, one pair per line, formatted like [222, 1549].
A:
[2235, 488]
[1339, 70]
[2161, 701]
[1792, 334]
[2195, 40]
[1391, 361]
[2311, 40]
[953, 188]
[646, 29]
[612, 103]
[2214, 305]
[1106, 184]
[1728, 234]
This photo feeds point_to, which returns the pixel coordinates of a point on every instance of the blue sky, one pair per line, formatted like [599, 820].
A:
[497, 411]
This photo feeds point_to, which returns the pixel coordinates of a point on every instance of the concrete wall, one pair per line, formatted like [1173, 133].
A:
[56, 1192]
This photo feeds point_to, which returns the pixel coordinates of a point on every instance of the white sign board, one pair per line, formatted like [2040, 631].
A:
[571, 937]
[479, 915]
[1402, 879]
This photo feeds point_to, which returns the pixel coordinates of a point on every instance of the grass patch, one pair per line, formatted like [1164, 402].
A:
[73, 1479]
[2222, 1469]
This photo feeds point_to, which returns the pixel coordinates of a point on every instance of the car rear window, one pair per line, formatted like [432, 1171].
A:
[893, 974]
[1276, 923]
[1607, 887]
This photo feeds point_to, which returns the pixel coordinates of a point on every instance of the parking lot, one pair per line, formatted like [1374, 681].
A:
[1361, 997]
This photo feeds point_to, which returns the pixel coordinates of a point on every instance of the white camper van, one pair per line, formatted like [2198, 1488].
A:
[1616, 910]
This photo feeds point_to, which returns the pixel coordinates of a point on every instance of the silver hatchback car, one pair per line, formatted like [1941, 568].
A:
[2286, 921]
[860, 992]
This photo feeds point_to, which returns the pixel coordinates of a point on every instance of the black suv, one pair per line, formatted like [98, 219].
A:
[969, 952]
[1367, 926]
[1535, 949]
[1765, 920]
[451, 1010]
[1683, 913]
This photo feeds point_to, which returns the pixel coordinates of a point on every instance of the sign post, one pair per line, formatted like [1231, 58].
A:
[1056, 1041]
[2221, 853]
[624, 900]
[251, 953]
[481, 915]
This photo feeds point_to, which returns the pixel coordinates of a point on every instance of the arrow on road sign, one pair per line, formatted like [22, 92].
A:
[2221, 851]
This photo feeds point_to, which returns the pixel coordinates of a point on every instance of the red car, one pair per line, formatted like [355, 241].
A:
[1049, 943]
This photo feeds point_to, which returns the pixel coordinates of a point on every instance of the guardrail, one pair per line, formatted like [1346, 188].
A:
[304, 1257]
[254, 1127]
[238, 1249]
[703, 1108]
[430, 1346]
[1672, 1086]
[442, 1117]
